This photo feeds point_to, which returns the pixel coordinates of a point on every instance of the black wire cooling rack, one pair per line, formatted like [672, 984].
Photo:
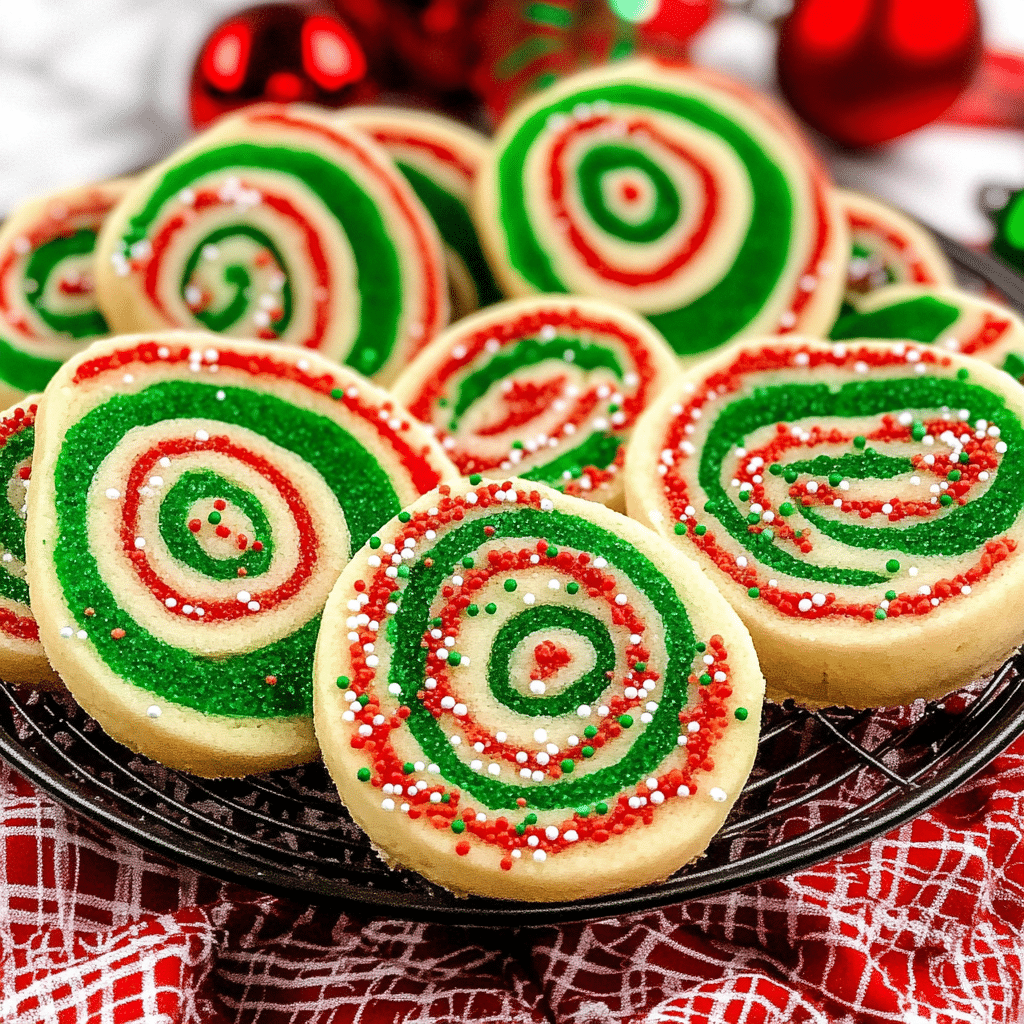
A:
[824, 782]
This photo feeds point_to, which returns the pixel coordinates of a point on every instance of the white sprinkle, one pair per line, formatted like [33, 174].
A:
[140, 542]
[540, 736]
[718, 795]
[583, 711]
[254, 606]
[1000, 447]
[539, 855]
[537, 776]
[683, 791]
[388, 804]
[113, 493]
[244, 596]
[202, 435]
[460, 709]
[153, 711]
[620, 599]
[447, 703]
[529, 598]
[571, 835]
[693, 727]
[804, 605]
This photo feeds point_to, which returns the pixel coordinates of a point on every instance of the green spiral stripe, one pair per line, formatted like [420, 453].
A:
[12, 527]
[378, 267]
[409, 659]
[456, 228]
[586, 690]
[601, 160]
[735, 300]
[183, 544]
[40, 267]
[922, 319]
[232, 685]
[960, 529]
[239, 276]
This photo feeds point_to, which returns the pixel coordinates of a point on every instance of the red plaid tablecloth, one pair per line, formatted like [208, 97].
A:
[924, 926]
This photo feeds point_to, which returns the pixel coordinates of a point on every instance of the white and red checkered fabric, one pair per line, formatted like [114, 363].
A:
[925, 925]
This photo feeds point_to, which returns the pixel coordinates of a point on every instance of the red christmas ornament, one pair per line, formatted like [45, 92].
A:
[279, 52]
[866, 71]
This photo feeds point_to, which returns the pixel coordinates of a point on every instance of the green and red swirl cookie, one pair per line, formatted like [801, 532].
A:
[48, 309]
[193, 501]
[22, 659]
[440, 158]
[548, 388]
[888, 247]
[672, 191]
[524, 695]
[280, 224]
[950, 318]
[861, 505]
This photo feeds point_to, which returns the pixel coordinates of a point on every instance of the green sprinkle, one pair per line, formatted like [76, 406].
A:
[436, 621]
[640, 666]
[798, 534]
[473, 610]
[475, 479]
[531, 819]
[790, 476]
[521, 828]
[680, 529]
[962, 373]
[375, 542]
[700, 530]
[601, 808]
[753, 592]
[467, 562]
[446, 798]
[835, 479]
[364, 699]
[892, 565]
[454, 658]
[590, 732]
[363, 775]
[775, 469]
[880, 613]
[583, 811]
[701, 646]
[964, 457]
[404, 517]
[403, 571]
[945, 499]
[395, 595]
[587, 751]
[336, 393]
[744, 495]
[490, 608]
[458, 826]
[858, 442]
[625, 721]
[552, 551]
[917, 430]
[786, 509]
[568, 764]
[753, 518]
[213, 517]
[572, 587]
[705, 679]
[954, 475]
[343, 682]
[408, 767]
[890, 595]
[510, 585]
[517, 444]
[709, 506]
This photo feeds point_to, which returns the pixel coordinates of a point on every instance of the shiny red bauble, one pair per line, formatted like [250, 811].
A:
[282, 52]
[866, 71]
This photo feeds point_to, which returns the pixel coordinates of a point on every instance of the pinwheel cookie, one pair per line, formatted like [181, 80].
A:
[547, 387]
[672, 191]
[281, 224]
[888, 247]
[193, 501]
[860, 505]
[48, 309]
[440, 157]
[524, 695]
[952, 319]
[22, 659]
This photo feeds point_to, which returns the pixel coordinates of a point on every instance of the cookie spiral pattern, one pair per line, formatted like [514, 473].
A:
[48, 309]
[949, 318]
[857, 503]
[440, 158]
[671, 191]
[284, 226]
[193, 503]
[514, 686]
[548, 388]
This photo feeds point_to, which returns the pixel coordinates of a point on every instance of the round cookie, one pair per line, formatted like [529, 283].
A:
[548, 388]
[673, 191]
[527, 696]
[193, 501]
[440, 157]
[950, 318]
[888, 247]
[22, 659]
[860, 505]
[48, 310]
[281, 224]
